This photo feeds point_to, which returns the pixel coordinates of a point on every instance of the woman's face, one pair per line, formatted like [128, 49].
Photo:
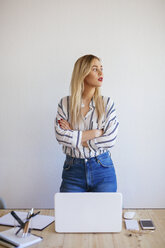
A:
[95, 77]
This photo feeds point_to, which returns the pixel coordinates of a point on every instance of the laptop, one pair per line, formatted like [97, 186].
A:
[88, 212]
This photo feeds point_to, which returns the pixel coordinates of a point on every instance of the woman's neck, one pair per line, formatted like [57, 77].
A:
[87, 95]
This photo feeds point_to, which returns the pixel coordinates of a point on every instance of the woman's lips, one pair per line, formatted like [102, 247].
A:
[100, 79]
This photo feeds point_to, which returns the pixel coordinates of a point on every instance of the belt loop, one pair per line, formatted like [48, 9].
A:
[109, 153]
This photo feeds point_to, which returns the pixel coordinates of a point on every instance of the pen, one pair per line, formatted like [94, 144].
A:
[29, 213]
[17, 218]
[18, 230]
[27, 224]
[26, 227]
[34, 214]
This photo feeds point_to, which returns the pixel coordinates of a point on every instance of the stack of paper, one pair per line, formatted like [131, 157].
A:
[9, 239]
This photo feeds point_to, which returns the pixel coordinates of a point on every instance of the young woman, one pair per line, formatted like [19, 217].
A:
[86, 126]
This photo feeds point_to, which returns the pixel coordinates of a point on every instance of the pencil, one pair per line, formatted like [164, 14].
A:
[26, 227]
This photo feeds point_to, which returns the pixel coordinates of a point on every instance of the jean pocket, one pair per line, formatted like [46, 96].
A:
[105, 162]
[67, 165]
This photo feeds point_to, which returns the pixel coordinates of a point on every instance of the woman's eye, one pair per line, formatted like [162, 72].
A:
[95, 69]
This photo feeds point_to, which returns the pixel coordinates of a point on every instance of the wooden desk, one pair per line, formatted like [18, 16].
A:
[154, 239]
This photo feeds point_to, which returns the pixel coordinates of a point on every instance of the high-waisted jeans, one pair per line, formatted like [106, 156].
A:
[96, 174]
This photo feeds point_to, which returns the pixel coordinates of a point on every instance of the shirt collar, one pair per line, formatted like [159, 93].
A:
[92, 103]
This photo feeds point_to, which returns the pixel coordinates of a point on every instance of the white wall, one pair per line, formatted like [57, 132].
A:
[40, 42]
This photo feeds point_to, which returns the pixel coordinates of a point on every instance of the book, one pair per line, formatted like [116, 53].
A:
[39, 222]
[9, 239]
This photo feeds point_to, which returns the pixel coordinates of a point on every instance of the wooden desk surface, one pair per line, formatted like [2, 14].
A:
[143, 239]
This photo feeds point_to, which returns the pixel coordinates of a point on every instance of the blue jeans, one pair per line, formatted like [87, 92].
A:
[96, 174]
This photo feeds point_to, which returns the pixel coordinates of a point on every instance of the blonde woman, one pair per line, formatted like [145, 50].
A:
[86, 125]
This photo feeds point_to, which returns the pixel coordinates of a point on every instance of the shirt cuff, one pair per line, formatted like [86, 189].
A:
[76, 139]
[92, 145]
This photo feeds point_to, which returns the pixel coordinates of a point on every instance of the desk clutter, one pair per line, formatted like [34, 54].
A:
[20, 235]
[39, 222]
[126, 238]
[132, 224]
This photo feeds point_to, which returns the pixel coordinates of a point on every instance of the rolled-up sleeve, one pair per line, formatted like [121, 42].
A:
[71, 138]
[108, 139]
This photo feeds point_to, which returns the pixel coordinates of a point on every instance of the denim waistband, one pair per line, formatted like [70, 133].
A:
[81, 160]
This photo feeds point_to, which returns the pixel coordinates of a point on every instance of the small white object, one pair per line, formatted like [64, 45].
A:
[132, 225]
[129, 215]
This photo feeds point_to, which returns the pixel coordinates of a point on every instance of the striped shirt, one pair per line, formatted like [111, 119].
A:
[71, 139]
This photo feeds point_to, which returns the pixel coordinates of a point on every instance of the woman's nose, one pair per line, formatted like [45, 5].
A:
[100, 72]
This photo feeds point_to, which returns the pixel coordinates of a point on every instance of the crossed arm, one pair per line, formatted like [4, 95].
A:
[94, 139]
[86, 135]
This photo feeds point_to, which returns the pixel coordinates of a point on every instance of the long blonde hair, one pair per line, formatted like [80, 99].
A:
[81, 69]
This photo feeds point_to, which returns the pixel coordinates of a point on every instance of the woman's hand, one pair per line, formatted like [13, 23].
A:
[84, 144]
[64, 124]
[98, 133]
[91, 134]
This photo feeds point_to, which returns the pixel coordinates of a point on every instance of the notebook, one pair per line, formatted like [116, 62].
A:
[132, 225]
[88, 212]
[9, 239]
[39, 222]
